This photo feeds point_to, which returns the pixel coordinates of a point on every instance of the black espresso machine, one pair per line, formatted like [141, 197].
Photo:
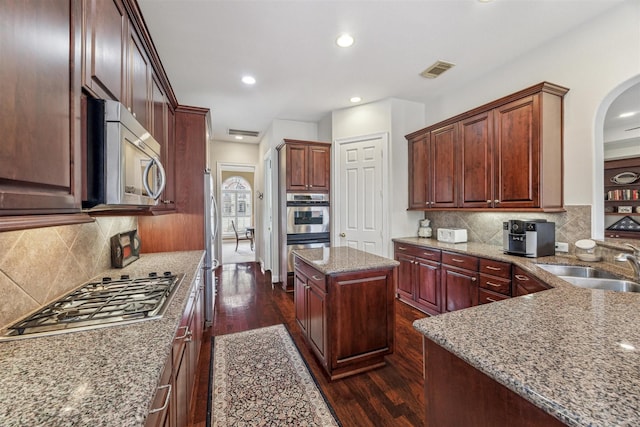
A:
[529, 238]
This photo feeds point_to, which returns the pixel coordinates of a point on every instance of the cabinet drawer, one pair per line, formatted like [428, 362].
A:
[461, 261]
[419, 251]
[485, 296]
[313, 276]
[495, 284]
[495, 268]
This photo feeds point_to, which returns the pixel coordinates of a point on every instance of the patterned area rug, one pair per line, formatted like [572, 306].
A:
[260, 379]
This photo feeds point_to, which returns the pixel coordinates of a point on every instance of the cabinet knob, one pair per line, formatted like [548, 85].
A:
[489, 201]
[496, 201]
[343, 234]
[473, 279]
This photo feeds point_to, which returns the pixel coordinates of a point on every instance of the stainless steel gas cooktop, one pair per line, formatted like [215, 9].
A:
[108, 302]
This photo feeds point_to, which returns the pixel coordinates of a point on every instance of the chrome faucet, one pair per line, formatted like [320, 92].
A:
[634, 260]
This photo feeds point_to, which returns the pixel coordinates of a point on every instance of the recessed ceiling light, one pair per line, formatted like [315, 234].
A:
[239, 137]
[345, 40]
[355, 99]
[629, 114]
[248, 80]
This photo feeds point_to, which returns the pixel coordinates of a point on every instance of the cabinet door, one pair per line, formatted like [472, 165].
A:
[158, 112]
[460, 289]
[442, 167]
[476, 183]
[139, 76]
[160, 412]
[300, 301]
[517, 145]
[167, 202]
[418, 190]
[319, 164]
[317, 321]
[427, 276]
[405, 275]
[296, 167]
[104, 42]
[40, 165]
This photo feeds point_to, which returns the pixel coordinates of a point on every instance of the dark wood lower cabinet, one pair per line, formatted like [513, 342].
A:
[178, 378]
[347, 318]
[418, 282]
[524, 283]
[457, 394]
[459, 281]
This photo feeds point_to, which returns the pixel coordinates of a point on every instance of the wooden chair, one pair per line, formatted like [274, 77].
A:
[248, 235]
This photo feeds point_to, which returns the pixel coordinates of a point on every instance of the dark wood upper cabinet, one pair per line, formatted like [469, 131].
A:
[476, 152]
[40, 122]
[432, 169]
[307, 166]
[104, 48]
[139, 77]
[442, 166]
[418, 191]
[493, 157]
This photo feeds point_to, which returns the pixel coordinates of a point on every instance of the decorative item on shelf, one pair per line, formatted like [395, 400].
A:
[425, 230]
[624, 209]
[587, 250]
[625, 178]
[608, 209]
[638, 209]
[626, 224]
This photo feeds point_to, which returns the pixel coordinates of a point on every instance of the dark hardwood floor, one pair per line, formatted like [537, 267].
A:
[389, 396]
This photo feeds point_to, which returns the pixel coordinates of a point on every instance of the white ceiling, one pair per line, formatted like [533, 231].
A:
[289, 46]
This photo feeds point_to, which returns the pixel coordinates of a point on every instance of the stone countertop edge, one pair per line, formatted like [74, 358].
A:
[343, 259]
[560, 348]
[102, 377]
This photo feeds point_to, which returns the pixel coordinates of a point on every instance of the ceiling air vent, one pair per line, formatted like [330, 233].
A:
[436, 69]
[238, 132]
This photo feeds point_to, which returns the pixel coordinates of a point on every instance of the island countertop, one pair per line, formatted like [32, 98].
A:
[341, 259]
[100, 377]
[573, 352]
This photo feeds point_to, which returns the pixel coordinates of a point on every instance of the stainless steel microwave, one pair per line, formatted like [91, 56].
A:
[123, 167]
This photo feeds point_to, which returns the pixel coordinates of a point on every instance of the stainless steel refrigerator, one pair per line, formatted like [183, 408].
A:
[210, 261]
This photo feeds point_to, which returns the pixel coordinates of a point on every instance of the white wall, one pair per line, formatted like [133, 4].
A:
[590, 60]
[397, 118]
[279, 130]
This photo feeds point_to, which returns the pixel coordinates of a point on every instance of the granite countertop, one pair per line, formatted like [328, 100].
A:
[343, 259]
[101, 377]
[565, 349]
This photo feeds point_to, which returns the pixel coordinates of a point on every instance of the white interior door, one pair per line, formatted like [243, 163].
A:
[361, 192]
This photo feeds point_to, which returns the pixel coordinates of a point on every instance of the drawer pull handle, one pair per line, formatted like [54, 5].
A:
[457, 260]
[493, 284]
[314, 277]
[521, 277]
[490, 299]
[185, 335]
[428, 254]
[402, 248]
[166, 400]
[493, 268]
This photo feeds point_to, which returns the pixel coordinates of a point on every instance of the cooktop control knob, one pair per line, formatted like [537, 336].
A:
[106, 279]
[153, 274]
[167, 274]
[124, 277]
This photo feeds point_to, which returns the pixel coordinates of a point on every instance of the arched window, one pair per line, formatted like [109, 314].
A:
[236, 205]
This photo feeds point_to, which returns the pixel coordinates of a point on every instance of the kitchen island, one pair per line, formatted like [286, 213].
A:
[574, 353]
[344, 306]
[100, 377]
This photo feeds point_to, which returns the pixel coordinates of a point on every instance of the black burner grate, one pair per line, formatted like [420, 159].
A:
[105, 302]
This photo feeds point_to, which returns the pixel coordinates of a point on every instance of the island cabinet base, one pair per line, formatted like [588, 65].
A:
[347, 319]
[457, 394]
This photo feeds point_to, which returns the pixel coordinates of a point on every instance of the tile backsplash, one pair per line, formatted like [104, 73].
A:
[486, 227]
[39, 265]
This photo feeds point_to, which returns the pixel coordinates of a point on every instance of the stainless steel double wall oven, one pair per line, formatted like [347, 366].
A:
[307, 223]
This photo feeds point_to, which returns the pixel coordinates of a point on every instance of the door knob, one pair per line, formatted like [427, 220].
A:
[343, 234]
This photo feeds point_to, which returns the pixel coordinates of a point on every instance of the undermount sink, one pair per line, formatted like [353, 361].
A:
[591, 278]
